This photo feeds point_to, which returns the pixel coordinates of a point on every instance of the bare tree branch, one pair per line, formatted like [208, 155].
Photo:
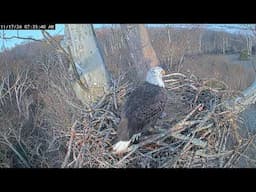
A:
[23, 38]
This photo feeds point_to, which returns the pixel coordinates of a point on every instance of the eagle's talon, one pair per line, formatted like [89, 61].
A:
[135, 137]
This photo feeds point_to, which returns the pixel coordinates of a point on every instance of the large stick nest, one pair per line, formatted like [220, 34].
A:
[196, 131]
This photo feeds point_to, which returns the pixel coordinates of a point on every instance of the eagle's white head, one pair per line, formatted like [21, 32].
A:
[155, 75]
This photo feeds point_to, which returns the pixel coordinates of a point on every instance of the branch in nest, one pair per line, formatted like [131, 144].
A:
[174, 74]
[72, 135]
[180, 124]
[175, 132]
[194, 141]
[202, 154]
[180, 86]
[236, 156]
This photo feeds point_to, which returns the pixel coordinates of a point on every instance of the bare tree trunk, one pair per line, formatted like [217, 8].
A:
[141, 51]
[200, 42]
[223, 45]
[89, 63]
[214, 45]
[227, 43]
[249, 45]
[248, 98]
[170, 55]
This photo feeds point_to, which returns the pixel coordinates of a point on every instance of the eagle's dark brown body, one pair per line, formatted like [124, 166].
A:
[142, 109]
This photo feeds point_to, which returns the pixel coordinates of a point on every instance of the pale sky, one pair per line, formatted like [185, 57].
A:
[59, 30]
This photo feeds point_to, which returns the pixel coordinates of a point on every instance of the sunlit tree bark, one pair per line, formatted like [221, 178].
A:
[89, 63]
[142, 53]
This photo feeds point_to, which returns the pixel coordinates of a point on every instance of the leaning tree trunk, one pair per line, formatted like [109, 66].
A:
[141, 51]
[93, 79]
[248, 97]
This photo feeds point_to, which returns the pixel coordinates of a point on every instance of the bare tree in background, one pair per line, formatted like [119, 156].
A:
[142, 53]
[81, 41]
[249, 45]
[92, 70]
[249, 94]
[224, 42]
[201, 32]
[250, 37]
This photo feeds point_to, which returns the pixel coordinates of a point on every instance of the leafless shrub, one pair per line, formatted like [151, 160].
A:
[33, 116]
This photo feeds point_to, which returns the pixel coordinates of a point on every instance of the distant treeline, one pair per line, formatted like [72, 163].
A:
[171, 44]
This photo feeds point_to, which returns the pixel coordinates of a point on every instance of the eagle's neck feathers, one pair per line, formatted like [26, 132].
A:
[155, 79]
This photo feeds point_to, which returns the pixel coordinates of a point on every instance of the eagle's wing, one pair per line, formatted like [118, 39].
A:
[144, 106]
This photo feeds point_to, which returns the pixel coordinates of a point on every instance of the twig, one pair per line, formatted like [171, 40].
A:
[105, 163]
[10, 145]
[179, 126]
[171, 80]
[129, 154]
[200, 153]
[23, 38]
[244, 150]
[194, 141]
[114, 96]
[175, 74]
[72, 135]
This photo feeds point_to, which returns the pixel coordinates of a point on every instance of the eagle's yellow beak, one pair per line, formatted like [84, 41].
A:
[163, 72]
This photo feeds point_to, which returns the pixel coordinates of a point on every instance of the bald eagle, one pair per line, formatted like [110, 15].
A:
[142, 109]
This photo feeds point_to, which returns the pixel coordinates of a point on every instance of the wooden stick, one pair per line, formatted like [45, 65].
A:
[129, 154]
[200, 153]
[72, 136]
[191, 113]
[194, 141]
[174, 74]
